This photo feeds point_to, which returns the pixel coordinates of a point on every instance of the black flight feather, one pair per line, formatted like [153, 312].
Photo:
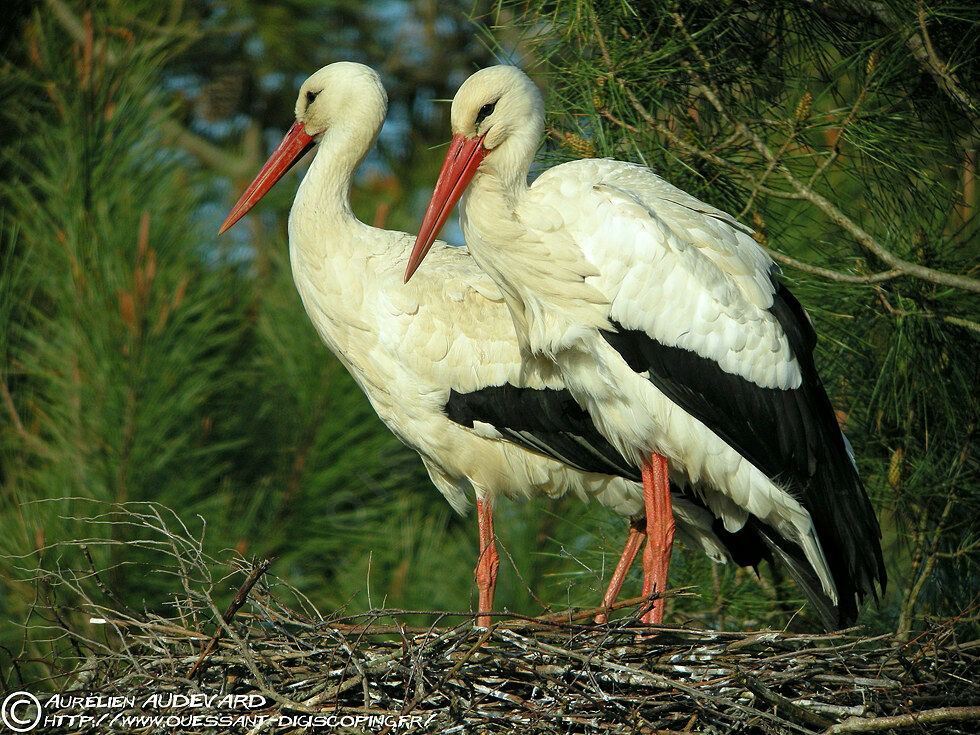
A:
[547, 421]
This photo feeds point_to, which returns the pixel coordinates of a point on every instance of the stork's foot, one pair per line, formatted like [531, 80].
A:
[660, 534]
[487, 565]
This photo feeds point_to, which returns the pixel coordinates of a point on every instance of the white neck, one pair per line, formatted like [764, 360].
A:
[329, 248]
[322, 203]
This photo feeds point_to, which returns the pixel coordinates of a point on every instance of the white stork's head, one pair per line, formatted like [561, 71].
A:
[344, 93]
[497, 121]
[344, 97]
[500, 107]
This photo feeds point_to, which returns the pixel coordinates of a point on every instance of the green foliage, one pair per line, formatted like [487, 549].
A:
[118, 340]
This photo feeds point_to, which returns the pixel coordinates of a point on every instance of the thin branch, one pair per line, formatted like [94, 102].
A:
[971, 548]
[960, 322]
[12, 408]
[688, 148]
[835, 154]
[831, 275]
[237, 601]
[666, 132]
[912, 596]
[913, 719]
[765, 174]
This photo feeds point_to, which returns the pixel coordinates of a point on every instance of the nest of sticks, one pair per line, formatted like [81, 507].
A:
[558, 673]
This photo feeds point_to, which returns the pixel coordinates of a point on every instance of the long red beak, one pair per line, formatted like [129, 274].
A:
[286, 154]
[462, 161]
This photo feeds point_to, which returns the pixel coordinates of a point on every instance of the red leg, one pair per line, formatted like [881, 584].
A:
[486, 566]
[660, 533]
[633, 542]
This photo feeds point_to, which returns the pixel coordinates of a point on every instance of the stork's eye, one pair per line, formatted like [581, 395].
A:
[310, 96]
[485, 112]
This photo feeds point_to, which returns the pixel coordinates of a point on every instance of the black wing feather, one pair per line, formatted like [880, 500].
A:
[547, 421]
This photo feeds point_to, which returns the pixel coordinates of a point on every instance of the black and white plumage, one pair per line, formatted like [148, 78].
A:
[668, 325]
[438, 358]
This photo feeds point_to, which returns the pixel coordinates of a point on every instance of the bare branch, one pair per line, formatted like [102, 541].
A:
[237, 601]
[831, 274]
[534, 675]
[234, 167]
[913, 719]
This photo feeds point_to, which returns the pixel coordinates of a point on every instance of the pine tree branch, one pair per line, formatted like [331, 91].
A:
[834, 214]
[208, 153]
[831, 275]
[921, 47]
[939, 69]
[840, 219]
[211, 155]
[919, 44]
[804, 192]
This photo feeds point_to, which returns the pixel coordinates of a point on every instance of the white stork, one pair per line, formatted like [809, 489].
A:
[438, 358]
[667, 323]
